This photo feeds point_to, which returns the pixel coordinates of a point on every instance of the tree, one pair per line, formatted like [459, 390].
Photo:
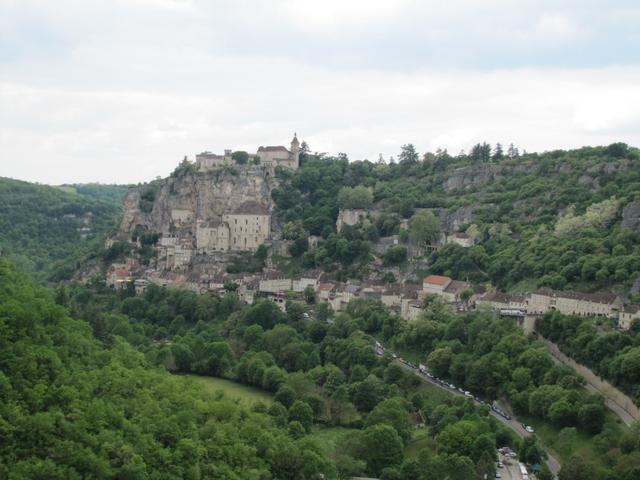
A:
[301, 412]
[498, 153]
[392, 412]
[424, 228]
[380, 447]
[294, 231]
[285, 395]
[395, 255]
[591, 417]
[309, 294]
[408, 154]
[240, 157]
[359, 197]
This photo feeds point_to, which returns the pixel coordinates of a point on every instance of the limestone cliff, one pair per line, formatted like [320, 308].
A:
[179, 202]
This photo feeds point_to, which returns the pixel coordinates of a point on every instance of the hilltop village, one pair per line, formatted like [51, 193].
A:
[196, 222]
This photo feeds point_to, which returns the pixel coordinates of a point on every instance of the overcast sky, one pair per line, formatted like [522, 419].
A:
[120, 90]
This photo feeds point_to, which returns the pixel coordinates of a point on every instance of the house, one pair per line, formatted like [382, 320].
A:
[274, 282]
[118, 276]
[460, 238]
[573, 303]
[452, 292]
[140, 285]
[628, 314]
[499, 300]
[435, 284]
[325, 291]
[307, 279]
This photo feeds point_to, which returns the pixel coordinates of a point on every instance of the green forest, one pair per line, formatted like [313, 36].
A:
[541, 219]
[47, 230]
[97, 383]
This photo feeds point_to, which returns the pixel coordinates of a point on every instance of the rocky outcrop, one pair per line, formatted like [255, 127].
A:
[180, 202]
[481, 174]
[631, 216]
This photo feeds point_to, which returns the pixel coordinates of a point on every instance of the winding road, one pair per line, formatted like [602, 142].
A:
[513, 424]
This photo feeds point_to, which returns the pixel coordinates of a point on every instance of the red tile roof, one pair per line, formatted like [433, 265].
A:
[437, 280]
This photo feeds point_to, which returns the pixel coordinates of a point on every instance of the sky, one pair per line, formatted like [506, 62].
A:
[119, 91]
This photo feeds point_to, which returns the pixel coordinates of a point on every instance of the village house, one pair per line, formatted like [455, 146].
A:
[503, 301]
[453, 290]
[307, 279]
[118, 276]
[411, 306]
[573, 303]
[628, 315]
[274, 282]
[460, 238]
[435, 285]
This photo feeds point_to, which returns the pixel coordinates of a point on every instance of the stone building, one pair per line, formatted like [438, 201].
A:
[212, 237]
[249, 226]
[244, 229]
[208, 160]
[273, 156]
[460, 238]
[435, 284]
[350, 216]
[269, 156]
[628, 314]
[573, 303]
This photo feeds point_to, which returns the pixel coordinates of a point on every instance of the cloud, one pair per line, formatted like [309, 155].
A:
[557, 26]
[121, 91]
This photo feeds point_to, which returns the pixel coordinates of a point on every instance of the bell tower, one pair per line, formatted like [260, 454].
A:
[295, 151]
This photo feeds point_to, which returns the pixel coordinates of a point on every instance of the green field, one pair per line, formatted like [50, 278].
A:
[582, 442]
[327, 438]
[248, 395]
[420, 440]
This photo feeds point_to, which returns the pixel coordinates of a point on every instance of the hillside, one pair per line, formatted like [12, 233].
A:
[72, 407]
[43, 228]
[563, 219]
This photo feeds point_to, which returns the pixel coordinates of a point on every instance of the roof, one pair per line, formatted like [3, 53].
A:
[326, 287]
[270, 148]
[459, 235]
[606, 298]
[631, 308]
[251, 207]
[274, 275]
[437, 280]
[455, 286]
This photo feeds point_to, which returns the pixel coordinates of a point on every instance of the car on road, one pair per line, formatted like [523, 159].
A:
[529, 429]
[500, 465]
[498, 475]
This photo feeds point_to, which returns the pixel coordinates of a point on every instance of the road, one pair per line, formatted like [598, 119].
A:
[622, 413]
[513, 424]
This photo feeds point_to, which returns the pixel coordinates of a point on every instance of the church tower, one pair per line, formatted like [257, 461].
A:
[295, 151]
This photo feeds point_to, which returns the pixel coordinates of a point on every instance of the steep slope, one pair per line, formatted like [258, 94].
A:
[43, 228]
[563, 219]
[71, 408]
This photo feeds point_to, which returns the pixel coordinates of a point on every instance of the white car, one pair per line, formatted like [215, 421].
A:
[529, 429]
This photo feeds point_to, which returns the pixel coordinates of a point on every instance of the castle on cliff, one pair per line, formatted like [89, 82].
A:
[269, 156]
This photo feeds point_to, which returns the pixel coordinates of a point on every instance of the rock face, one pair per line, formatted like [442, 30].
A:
[479, 175]
[631, 216]
[181, 202]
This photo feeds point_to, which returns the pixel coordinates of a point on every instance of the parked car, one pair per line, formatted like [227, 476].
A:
[529, 429]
